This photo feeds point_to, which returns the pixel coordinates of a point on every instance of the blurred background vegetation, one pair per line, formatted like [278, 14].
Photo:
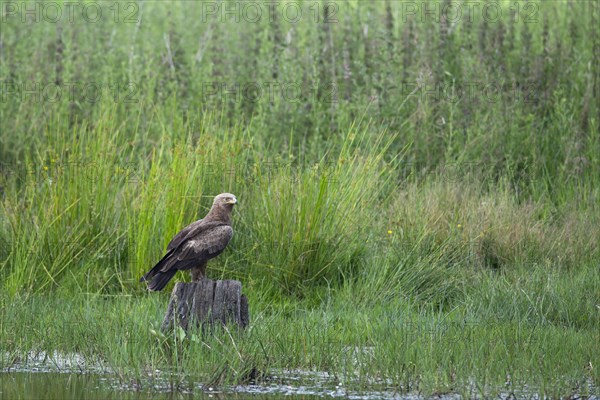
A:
[384, 148]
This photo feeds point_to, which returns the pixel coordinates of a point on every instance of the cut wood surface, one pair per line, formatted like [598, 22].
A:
[206, 303]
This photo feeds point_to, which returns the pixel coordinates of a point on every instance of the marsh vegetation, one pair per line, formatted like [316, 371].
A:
[418, 196]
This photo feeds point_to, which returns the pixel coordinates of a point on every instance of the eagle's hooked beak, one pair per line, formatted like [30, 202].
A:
[232, 201]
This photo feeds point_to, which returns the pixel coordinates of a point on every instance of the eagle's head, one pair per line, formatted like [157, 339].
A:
[226, 200]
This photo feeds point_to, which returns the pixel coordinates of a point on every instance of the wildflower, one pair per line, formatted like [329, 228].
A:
[45, 168]
[459, 226]
[390, 232]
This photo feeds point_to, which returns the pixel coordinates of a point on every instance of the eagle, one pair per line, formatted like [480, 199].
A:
[197, 243]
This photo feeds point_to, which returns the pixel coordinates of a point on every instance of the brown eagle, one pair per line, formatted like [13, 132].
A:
[195, 244]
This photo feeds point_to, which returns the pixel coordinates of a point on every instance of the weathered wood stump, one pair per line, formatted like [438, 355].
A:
[206, 303]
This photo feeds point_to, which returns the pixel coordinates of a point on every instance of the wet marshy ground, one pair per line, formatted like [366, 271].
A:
[56, 376]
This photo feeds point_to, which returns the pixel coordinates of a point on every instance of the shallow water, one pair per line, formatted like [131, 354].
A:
[55, 386]
[59, 386]
[70, 386]
[85, 386]
[68, 376]
[41, 375]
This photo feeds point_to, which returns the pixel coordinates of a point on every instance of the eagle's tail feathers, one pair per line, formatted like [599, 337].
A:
[161, 279]
[156, 269]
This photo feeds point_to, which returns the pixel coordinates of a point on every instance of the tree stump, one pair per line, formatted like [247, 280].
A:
[206, 303]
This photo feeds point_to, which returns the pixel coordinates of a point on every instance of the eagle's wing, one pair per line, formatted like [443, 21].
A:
[198, 246]
[196, 243]
[181, 236]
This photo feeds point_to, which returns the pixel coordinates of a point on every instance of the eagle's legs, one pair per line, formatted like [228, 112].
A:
[198, 272]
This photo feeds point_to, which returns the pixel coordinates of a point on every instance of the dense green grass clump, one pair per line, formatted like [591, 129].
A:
[419, 196]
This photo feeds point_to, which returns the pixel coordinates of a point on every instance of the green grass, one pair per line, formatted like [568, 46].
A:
[364, 345]
[390, 234]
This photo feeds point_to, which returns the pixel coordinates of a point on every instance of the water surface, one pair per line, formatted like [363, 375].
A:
[69, 386]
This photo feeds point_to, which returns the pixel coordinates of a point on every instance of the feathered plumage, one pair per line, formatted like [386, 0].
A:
[195, 244]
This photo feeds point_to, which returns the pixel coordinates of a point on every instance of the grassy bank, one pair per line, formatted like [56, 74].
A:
[418, 196]
[363, 345]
